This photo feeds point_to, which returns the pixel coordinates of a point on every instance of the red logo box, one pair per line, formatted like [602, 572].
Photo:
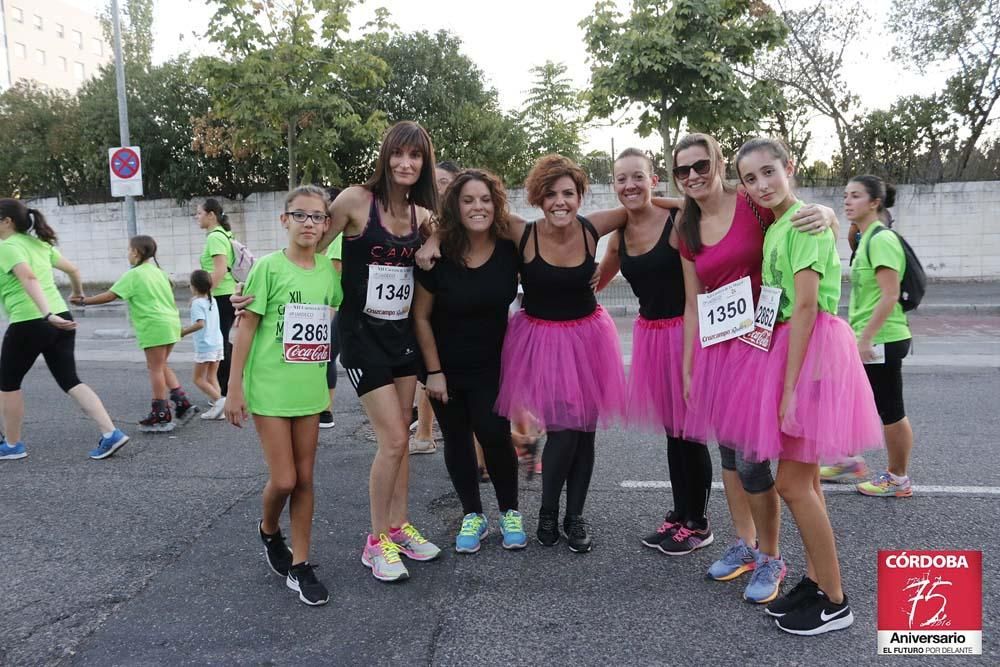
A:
[930, 602]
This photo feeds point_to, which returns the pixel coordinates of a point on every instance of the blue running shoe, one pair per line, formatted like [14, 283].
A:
[765, 584]
[736, 560]
[474, 529]
[108, 446]
[10, 452]
[512, 527]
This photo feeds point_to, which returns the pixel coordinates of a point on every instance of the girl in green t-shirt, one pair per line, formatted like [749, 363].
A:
[150, 296]
[278, 375]
[40, 324]
[878, 321]
[815, 402]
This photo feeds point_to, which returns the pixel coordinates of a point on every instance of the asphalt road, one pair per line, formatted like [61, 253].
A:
[151, 557]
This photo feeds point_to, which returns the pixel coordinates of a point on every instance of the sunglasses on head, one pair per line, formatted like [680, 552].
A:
[684, 170]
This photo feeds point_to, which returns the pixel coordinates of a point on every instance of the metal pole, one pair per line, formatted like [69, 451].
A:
[122, 108]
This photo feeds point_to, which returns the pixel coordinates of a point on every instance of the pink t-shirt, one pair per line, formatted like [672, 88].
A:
[739, 253]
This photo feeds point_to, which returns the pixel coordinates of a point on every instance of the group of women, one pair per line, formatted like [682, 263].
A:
[798, 394]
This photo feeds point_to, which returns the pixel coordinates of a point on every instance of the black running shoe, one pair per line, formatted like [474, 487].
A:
[686, 538]
[326, 419]
[548, 527]
[577, 534]
[671, 522]
[276, 552]
[803, 591]
[302, 578]
[817, 615]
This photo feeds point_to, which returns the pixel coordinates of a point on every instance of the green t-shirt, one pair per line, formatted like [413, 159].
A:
[150, 297]
[883, 250]
[217, 243]
[40, 258]
[787, 251]
[336, 251]
[273, 387]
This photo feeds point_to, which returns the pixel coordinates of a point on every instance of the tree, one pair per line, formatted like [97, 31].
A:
[809, 68]
[284, 85]
[430, 80]
[37, 135]
[553, 110]
[598, 165]
[136, 28]
[963, 32]
[907, 143]
[678, 63]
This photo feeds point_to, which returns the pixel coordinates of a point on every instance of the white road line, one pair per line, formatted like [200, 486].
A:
[923, 489]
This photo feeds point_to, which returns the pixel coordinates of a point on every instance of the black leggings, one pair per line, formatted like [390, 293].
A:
[470, 411]
[690, 477]
[226, 316]
[568, 460]
[331, 367]
[22, 344]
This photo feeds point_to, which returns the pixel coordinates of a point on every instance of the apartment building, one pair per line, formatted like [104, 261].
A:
[53, 42]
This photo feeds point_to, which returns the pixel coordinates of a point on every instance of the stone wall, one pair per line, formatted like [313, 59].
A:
[953, 227]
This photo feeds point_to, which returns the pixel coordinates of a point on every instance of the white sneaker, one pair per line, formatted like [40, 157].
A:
[418, 446]
[215, 412]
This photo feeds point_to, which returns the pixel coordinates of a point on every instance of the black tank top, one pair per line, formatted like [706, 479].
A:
[558, 293]
[656, 277]
[367, 340]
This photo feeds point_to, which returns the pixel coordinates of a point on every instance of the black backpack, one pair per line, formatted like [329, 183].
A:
[913, 282]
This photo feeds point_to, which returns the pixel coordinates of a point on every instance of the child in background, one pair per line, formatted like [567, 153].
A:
[208, 350]
[150, 297]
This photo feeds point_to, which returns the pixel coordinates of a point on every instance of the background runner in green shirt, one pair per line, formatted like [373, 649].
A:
[217, 258]
[877, 319]
[150, 297]
[40, 324]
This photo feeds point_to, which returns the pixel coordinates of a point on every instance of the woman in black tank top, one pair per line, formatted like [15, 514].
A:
[380, 222]
[561, 360]
[646, 251]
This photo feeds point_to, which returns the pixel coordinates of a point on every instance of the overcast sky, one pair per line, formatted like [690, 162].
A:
[506, 39]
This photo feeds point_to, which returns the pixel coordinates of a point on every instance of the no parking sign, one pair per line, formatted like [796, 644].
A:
[125, 164]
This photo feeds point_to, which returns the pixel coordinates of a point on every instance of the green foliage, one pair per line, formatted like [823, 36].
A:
[679, 63]
[598, 165]
[553, 112]
[37, 140]
[965, 36]
[136, 20]
[429, 80]
[283, 83]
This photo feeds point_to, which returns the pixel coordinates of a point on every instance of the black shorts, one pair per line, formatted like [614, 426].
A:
[22, 344]
[887, 382]
[371, 378]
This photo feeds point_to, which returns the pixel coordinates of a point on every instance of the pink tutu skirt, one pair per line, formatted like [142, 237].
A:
[724, 378]
[567, 375]
[832, 413]
[655, 381]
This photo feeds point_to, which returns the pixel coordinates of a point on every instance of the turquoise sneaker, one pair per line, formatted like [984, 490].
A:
[108, 446]
[512, 527]
[765, 583]
[474, 529]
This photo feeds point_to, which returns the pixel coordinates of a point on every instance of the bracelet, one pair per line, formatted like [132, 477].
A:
[47, 316]
[437, 372]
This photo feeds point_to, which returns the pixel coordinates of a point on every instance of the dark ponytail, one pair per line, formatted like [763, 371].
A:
[145, 247]
[27, 220]
[213, 206]
[878, 189]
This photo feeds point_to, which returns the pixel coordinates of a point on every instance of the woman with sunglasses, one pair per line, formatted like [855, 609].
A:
[721, 243]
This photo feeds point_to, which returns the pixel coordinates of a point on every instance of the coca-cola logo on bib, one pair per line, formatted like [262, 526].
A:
[301, 353]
